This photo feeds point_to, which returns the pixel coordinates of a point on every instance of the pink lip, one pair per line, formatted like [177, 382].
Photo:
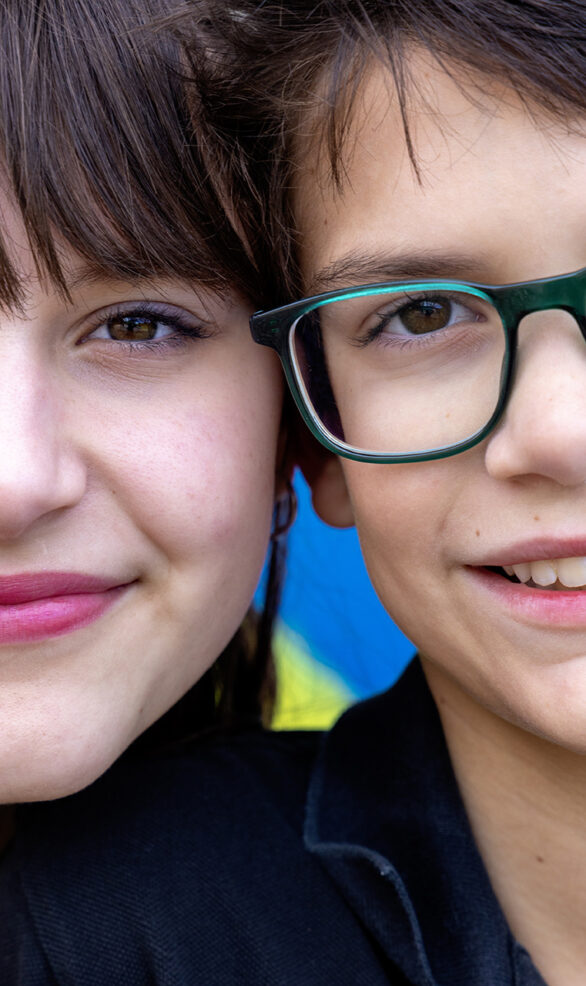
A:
[38, 605]
[538, 606]
[536, 549]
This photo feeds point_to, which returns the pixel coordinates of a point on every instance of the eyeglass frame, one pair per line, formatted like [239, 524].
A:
[513, 302]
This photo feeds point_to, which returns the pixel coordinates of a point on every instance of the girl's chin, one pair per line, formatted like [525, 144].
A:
[32, 770]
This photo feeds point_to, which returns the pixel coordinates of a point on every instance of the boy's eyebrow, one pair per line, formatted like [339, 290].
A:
[363, 268]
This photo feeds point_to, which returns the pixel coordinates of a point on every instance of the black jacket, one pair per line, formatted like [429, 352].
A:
[266, 858]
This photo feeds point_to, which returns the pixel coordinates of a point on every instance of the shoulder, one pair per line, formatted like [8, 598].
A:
[186, 867]
[182, 862]
[170, 809]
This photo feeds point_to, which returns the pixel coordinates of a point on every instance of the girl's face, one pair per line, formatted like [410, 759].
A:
[138, 434]
[501, 197]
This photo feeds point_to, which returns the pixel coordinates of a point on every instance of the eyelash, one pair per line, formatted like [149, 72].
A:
[377, 331]
[185, 329]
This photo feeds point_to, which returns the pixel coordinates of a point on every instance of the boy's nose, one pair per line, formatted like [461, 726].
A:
[543, 431]
[40, 471]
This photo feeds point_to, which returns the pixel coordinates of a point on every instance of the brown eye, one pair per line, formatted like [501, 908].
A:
[426, 315]
[131, 328]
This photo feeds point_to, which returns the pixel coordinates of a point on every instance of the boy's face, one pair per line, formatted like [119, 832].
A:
[506, 192]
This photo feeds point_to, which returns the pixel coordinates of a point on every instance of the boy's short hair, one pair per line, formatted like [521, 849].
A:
[292, 71]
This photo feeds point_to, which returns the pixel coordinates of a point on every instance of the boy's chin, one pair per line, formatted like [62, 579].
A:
[520, 701]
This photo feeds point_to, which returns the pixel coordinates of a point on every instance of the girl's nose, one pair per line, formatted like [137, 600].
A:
[40, 470]
[543, 431]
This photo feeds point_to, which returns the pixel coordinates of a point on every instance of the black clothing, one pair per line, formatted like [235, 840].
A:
[190, 867]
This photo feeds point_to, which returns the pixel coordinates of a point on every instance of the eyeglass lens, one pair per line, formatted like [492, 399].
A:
[403, 371]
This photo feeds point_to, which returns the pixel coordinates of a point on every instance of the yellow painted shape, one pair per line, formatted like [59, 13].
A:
[309, 694]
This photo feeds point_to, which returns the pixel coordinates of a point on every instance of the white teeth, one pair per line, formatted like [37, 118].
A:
[543, 573]
[523, 572]
[570, 572]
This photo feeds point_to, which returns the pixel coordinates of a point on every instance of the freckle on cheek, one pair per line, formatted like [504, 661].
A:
[536, 517]
[477, 534]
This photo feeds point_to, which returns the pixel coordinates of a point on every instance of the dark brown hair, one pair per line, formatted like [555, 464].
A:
[98, 147]
[288, 71]
[99, 150]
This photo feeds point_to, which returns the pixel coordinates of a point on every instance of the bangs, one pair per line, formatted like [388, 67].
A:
[101, 152]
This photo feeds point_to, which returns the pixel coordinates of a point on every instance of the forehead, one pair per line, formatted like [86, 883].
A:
[488, 169]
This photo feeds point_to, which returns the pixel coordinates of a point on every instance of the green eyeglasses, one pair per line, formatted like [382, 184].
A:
[409, 370]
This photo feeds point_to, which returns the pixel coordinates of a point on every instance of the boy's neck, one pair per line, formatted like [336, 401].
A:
[526, 802]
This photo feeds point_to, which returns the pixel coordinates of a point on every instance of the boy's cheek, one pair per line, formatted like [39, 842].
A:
[399, 510]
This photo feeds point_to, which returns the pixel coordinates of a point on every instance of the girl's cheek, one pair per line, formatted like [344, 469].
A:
[202, 480]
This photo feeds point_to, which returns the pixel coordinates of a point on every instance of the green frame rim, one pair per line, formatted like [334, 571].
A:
[566, 292]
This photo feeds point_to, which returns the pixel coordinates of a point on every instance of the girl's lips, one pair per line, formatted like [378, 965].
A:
[37, 605]
[544, 606]
[24, 587]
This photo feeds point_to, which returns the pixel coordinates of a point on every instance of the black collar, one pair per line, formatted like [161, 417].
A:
[385, 816]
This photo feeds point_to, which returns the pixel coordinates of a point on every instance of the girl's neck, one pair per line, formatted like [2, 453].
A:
[526, 802]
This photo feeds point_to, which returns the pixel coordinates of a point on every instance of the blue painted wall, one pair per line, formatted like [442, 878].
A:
[329, 602]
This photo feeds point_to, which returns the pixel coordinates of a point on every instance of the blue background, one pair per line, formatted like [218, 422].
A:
[328, 601]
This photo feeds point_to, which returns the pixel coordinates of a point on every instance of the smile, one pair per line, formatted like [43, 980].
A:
[553, 573]
[552, 604]
[37, 606]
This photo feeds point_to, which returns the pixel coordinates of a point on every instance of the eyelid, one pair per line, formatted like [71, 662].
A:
[396, 304]
[185, 322]
[399, 301]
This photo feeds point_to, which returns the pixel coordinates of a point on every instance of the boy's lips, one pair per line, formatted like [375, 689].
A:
[545, 563]
[553, 605]
[530, 550]
[38, 605]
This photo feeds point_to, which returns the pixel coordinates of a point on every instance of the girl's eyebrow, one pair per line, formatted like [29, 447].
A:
[358, 268]
[86, 275]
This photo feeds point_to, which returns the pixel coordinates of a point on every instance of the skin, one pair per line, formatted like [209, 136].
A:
[507, 190]
[153, 466]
